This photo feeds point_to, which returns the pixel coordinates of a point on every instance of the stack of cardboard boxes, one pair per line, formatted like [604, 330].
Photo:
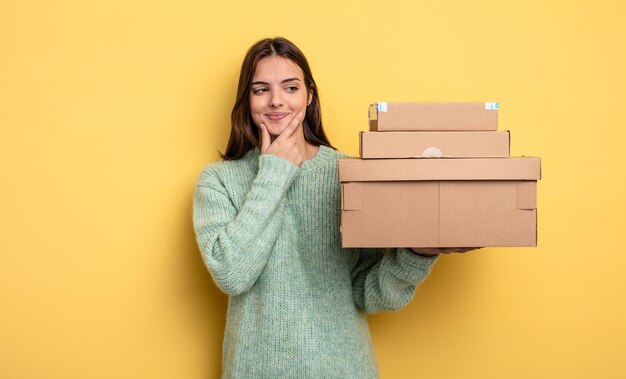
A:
[437, 175]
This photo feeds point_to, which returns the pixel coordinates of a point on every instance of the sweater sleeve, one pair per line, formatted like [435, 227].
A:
[236, 244]
[384, 280]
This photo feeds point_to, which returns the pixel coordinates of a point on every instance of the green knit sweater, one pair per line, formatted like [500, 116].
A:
[269, 235]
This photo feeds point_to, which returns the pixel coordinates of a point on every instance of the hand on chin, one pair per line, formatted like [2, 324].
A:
[275, 128]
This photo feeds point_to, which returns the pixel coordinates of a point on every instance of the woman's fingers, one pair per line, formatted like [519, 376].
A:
[425, 251]
[284, 145]
[442, 250]
[265, 138]
[448, 250]
[291, 127]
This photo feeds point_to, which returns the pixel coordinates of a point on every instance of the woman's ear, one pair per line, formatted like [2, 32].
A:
[310, 99]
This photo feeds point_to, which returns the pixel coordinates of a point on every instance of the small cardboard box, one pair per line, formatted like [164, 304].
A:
[473, 202]
[433, 116]
[434, 145]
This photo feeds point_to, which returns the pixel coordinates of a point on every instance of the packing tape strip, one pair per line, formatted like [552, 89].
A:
[492, 106]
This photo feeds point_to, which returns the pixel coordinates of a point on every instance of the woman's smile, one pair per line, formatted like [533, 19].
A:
[276, 116]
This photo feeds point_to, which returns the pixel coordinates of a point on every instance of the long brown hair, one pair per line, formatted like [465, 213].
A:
[244, 135]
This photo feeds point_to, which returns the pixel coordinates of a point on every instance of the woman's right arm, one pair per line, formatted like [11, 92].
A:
[236, 244]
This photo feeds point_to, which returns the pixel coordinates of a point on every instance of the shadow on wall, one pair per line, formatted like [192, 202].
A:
[448, 290]
[207, 302]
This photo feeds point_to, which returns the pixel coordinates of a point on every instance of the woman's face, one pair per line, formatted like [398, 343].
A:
[278, 93]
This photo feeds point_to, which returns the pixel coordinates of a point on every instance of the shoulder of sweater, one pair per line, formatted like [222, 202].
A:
[333, 152]
[341, 154]
[337, 154]
[217, 170]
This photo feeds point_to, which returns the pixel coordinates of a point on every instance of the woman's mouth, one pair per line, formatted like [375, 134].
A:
[275, 116]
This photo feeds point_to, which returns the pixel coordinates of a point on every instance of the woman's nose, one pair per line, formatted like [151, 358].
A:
[275, 99]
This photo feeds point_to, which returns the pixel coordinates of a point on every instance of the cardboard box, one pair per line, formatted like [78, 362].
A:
[434, 145]
[433, 116]
[439, 202]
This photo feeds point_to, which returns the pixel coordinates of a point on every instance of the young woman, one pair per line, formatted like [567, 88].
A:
[267, 223]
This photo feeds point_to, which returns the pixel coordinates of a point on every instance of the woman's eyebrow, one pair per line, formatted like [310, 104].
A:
[284, 81]
[290, 80]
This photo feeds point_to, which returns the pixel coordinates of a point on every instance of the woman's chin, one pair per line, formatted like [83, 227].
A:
[275, 130]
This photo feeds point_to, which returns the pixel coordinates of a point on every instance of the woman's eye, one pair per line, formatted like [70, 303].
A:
[257, 91]
[292, 88]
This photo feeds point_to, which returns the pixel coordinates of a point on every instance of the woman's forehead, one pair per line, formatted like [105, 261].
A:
[276, 68]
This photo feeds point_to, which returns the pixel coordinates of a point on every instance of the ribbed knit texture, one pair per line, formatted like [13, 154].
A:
[269, 235]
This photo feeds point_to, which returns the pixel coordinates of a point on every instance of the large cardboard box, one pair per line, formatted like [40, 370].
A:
[434, 144]
[473, 202]
[433, 116]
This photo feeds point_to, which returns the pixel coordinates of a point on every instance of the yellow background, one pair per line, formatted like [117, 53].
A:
[109, 109]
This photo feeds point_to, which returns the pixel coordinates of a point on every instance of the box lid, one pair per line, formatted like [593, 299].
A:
[429, 144]
[515, 168]
[396, 116]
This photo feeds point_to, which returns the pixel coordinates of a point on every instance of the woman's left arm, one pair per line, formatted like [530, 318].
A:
[384, 280]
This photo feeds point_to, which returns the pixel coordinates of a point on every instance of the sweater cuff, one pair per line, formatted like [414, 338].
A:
[276, 173]
[409, 258]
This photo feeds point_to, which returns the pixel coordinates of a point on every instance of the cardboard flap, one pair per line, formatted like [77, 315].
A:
[360, 170]
[509, 144]
[361, 143]
[372, 112]
[351, 196]
[372, 115]
[527, 195]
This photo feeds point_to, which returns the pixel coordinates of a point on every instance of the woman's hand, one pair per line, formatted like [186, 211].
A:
[428, 251]
[284, 145]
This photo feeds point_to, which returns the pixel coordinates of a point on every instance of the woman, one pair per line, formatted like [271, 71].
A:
[267, 224]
